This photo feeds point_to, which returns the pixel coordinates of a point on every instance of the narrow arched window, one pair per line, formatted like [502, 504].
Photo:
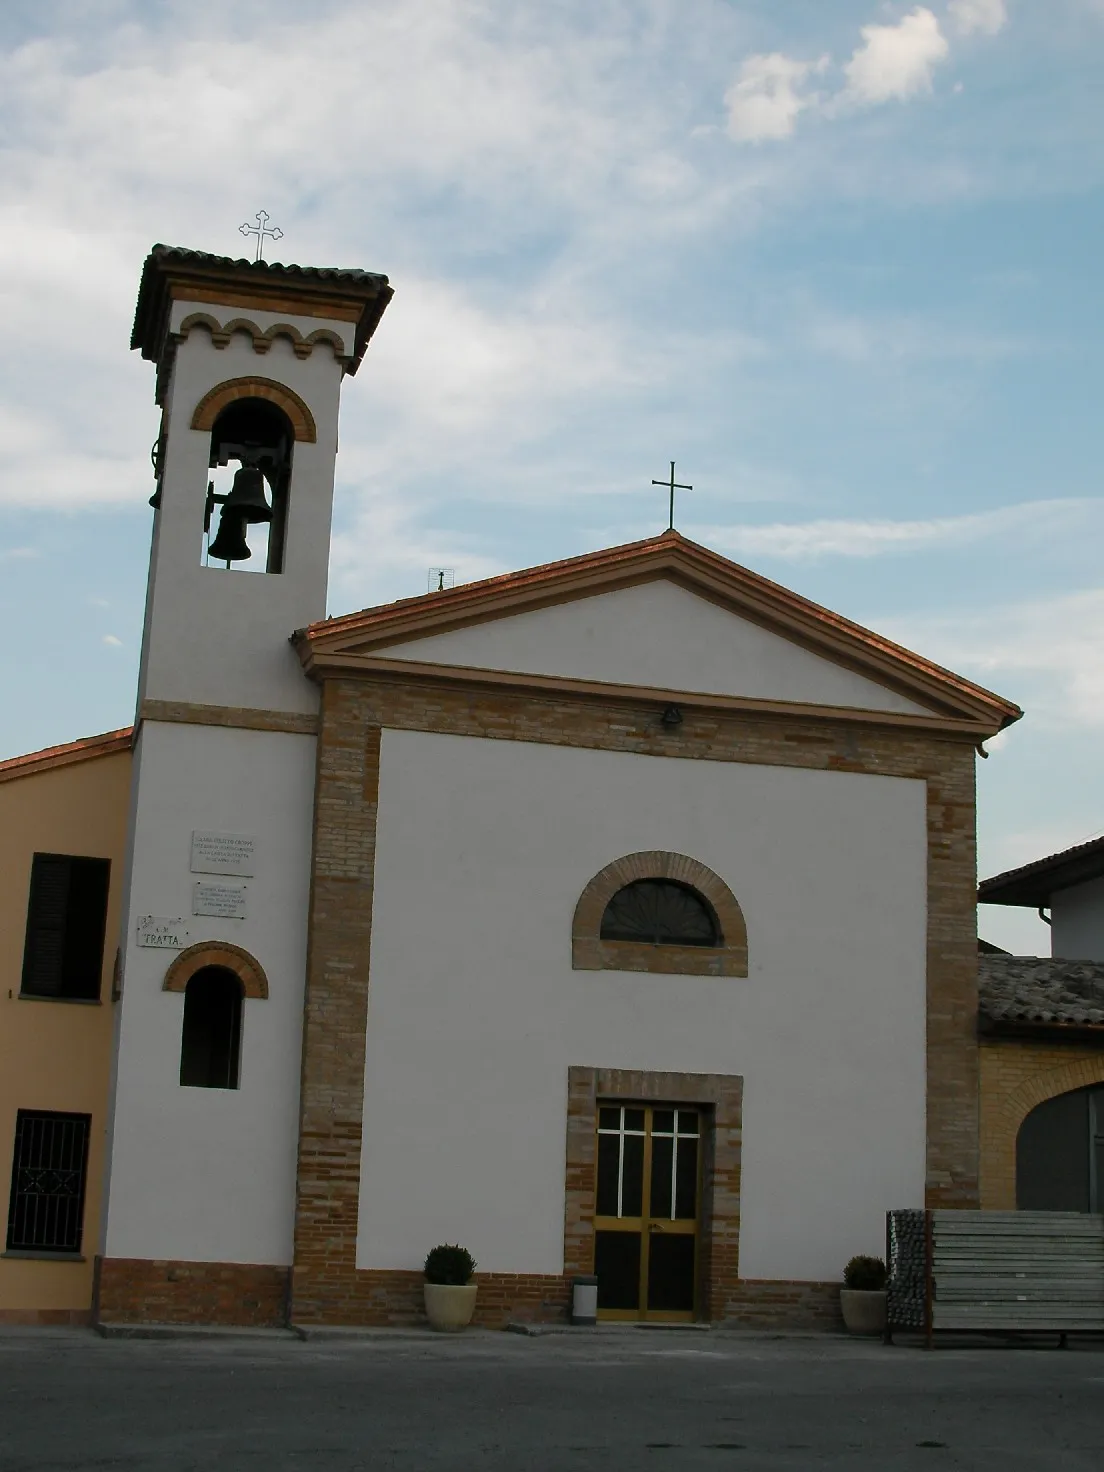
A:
[210, 1038]
[661, 912]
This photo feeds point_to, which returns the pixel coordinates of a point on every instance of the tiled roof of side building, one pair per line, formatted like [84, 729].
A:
[1040, 990]
[1033, 884]
[63, 756]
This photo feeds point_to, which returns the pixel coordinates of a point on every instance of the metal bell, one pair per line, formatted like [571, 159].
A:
[247, 498]
[229, 544]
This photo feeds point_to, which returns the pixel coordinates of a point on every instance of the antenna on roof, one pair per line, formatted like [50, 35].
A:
[440, 578]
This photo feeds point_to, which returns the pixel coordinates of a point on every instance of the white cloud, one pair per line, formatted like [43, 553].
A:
[765, 100]
[18, 554]
[807, 541]
[895, 61]
[111, 640]
[986, 16]
[1045, 654]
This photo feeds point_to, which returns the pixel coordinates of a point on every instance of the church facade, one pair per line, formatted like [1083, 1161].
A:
[616, 916]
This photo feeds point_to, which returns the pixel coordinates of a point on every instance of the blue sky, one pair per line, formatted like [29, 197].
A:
[840, 260]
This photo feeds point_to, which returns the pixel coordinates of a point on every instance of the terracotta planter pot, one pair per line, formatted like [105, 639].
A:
[864, 1311]
[449, 1306]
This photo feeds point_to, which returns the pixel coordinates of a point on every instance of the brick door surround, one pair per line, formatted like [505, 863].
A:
[720, 1097]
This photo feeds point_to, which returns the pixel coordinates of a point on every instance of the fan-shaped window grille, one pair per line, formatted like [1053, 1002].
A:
[660, 912]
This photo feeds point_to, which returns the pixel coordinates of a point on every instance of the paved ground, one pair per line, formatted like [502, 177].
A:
[636, 1399]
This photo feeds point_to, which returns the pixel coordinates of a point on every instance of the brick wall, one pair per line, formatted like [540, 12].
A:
[1016, 1075]
[134, 1290]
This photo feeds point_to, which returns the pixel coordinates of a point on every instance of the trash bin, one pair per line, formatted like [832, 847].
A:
[584, 1300]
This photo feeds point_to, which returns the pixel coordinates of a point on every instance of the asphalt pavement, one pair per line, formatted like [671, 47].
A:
[639, 1399]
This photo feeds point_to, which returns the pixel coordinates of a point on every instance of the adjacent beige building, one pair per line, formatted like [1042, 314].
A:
[66, 803]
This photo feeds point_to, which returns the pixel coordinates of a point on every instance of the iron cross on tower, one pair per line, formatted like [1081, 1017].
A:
[262, 229]
[672, 485]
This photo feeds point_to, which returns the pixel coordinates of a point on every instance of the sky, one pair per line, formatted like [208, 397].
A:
[839, 259]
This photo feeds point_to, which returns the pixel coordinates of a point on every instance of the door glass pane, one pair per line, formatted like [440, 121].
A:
[609, 1118]
[662, 1154]
[609, 1150]
[634, 1119]
[632, 1178]
[617, 1268]
[686, 1180]
[663, 1121]
[670, 1272]
[688, 1121]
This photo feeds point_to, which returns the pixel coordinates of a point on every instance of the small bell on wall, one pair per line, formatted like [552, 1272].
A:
[229, 544]
[247, 497]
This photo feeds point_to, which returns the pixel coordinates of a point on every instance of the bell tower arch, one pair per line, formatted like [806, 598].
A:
[250, 361]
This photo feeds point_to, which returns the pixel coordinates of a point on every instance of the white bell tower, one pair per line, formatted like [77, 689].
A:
[250, 360]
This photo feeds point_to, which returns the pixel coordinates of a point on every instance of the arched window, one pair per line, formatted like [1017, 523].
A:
[661, 912]
[1060, 1154]
[210, 1038]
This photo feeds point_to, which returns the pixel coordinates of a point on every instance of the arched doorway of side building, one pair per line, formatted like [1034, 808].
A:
[1060, 1153]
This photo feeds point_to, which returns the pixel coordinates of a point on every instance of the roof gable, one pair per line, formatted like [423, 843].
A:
[764, 650]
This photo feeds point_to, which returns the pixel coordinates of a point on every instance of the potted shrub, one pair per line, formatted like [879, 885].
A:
[449, 1290]
[863, 1295]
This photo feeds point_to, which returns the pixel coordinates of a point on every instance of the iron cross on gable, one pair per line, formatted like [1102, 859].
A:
[261, 230]
[672, 485]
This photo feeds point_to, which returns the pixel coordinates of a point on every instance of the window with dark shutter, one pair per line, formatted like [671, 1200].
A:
[66, 920]
[49, 1166]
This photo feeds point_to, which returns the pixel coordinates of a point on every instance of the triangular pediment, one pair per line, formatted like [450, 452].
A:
[664, 615]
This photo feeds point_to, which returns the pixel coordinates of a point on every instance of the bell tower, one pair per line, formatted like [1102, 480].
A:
[250, 360]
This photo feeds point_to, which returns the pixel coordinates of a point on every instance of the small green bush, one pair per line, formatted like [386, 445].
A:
[868, 1274]
[453, 1265]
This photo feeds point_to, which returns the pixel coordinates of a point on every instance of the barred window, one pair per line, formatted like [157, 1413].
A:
[46, 1207]
[66, 920]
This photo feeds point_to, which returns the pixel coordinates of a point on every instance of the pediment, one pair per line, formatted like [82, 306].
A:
[664, 615]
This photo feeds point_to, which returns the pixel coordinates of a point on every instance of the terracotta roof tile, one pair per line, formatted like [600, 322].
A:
[596, 572]
[62, 756]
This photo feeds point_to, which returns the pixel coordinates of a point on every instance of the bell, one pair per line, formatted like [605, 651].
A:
[247, 497]
[230, 544]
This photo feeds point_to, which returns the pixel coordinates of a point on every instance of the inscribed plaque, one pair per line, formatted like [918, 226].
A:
[222, 853]
[211, 898]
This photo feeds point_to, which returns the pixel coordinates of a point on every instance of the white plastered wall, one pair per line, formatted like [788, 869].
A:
[1077, 922]
[209, 1174]
[656, 634]
[475, 1014]
[218, 637]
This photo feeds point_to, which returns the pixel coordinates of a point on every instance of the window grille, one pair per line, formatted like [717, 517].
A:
[66, 921]
[46, 1208]
[660, 912]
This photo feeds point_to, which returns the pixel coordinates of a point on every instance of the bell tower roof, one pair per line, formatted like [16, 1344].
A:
[173, 273]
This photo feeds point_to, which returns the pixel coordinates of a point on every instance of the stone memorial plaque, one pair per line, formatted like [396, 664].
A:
[222, 853]
[161, 934]
[211, 898]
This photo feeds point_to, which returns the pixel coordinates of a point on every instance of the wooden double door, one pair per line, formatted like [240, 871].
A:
[647, 1211]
